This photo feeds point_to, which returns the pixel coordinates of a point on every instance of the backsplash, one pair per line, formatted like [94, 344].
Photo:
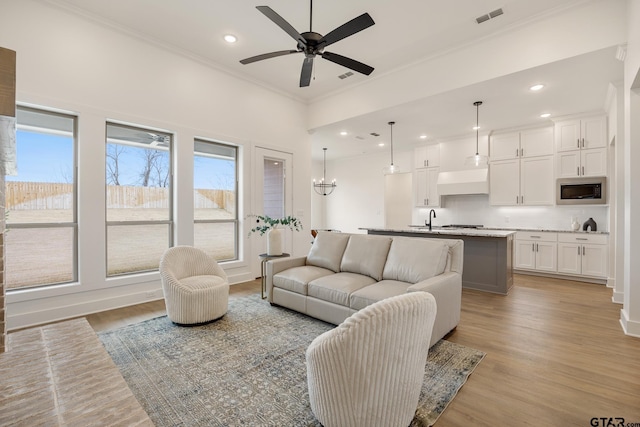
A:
[475, 209]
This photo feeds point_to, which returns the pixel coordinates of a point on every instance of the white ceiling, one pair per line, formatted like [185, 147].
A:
[406, 31]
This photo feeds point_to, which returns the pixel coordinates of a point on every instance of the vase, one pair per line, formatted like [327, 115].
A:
[274, 242]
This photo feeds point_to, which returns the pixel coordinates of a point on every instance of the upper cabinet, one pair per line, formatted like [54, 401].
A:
[521, 168]
[584, 133]
[427, 156]
[581, 147]
[523, 144]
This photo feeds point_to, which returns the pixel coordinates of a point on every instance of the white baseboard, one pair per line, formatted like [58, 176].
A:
[630, 327]
[617, 297]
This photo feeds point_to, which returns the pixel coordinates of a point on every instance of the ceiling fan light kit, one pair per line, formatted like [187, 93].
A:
[477, 160]
[312, 44]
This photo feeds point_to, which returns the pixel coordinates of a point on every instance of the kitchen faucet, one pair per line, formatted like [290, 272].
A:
[429, 223]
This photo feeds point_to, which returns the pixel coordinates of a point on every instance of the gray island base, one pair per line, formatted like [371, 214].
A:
[488, 254]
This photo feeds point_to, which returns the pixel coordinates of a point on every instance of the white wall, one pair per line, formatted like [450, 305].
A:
[89, 69]
[630, 313]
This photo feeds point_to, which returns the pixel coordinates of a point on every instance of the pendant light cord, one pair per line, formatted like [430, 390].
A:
[477, 104]
[391, 124]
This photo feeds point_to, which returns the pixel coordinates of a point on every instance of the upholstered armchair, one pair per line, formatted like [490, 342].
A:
[195, 287]
[369, 370]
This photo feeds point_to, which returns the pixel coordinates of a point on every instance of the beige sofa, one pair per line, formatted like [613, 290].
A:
[343, 273]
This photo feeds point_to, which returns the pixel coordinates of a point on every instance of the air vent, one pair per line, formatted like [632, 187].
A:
[374, 134]
[360, 137]
[490, 15]
[345, 75]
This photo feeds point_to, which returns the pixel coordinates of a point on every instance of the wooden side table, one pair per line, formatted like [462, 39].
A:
[263, 270]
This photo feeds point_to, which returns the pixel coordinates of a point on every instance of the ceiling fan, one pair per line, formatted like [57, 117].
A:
[312, 44]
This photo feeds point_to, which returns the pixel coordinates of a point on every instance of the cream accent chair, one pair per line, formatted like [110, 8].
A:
[369, 370]
[195, 287]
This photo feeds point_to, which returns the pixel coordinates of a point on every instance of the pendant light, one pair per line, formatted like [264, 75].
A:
[323, 188]
[391, 169]
[478, 160]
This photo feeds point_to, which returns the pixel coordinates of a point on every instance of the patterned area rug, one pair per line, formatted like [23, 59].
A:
[248, 368]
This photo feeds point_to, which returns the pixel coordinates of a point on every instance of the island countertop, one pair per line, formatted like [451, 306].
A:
[471, 232]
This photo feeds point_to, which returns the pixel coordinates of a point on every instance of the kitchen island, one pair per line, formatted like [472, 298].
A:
[488, 254]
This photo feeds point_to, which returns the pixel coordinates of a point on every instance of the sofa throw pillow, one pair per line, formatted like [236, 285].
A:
[327, 250]
[366, 255]
[414, 259]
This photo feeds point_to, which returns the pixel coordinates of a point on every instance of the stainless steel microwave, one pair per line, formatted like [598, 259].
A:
[582, 191]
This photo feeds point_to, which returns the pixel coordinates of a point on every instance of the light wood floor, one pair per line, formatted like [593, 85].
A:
[556, 354]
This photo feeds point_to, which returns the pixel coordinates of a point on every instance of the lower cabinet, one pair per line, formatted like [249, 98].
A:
[536, 251]
[575, 254]
[583, 254]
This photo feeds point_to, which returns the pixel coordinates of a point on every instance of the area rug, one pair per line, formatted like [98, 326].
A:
[248, 368]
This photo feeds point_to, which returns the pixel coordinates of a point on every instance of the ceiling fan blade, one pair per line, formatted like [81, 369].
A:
[282, 23]
[345, 30]
[347, 62]
[305, 74]
[267, 56]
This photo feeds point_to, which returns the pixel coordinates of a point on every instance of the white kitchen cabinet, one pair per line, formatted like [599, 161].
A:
[427, 187]
[427, 156]
[536, 251]
[581, 134]
[525, 181]
[523, 144]
[583, 254]
[581, 147]
[580, 163]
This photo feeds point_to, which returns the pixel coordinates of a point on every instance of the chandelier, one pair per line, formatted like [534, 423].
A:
[324, 188]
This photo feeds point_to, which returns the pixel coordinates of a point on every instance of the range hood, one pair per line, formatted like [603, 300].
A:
[471, 181]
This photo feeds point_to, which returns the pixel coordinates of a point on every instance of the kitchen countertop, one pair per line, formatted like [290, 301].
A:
[472, 232]
[550, 230]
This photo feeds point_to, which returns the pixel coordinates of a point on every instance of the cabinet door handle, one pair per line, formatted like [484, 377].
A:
[424, 163]
[517, 202]
[522, 152]
[516, 152]
[427, 162]
[583, 171]
[578, 142]
[578, 170]
[536, 237]
[582, 142]
[578, 250]
[522, 200]
[581, 238]
[427, 201]
[533, 247]
[537, 247]
[584, 251]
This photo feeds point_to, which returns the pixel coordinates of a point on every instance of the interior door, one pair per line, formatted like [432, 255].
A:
[273, 196]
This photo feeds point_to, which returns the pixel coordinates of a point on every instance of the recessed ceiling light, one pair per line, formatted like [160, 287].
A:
[381, 144]
[536, 87]
[344, 133]
[545, 115]
[476, 127]
[230, 38]
[423, 136]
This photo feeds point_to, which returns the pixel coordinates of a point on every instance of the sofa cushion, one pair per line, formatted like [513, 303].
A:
[366, 255]
[376, 292]
[296, 279]
[327, 250]
[414, 259]
[336, 288]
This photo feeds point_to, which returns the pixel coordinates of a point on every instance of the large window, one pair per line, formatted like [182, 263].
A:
[41, 238]
[138, 198]
[215, 183]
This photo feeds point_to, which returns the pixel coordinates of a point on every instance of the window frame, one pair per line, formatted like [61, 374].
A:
[169, 221]
[236, 220]
[48, 225]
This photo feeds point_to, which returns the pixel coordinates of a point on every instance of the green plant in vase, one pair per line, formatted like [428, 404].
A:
[273, 228]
